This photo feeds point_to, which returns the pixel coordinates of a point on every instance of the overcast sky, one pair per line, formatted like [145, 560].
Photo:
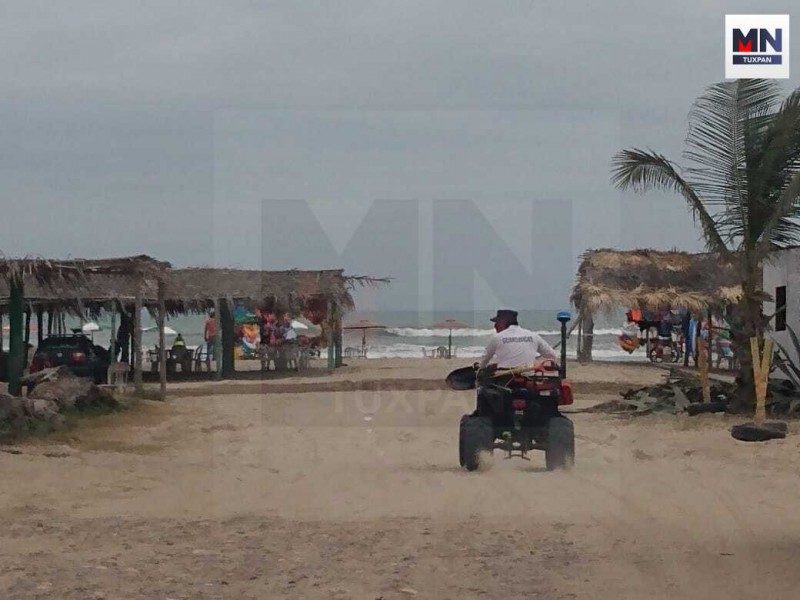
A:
[462, 147]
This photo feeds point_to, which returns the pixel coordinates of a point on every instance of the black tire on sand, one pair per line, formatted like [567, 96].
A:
[769, 430]
[475, 436]
[560, 451]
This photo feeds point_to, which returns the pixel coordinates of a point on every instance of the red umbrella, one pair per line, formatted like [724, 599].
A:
[450, 324]
[363, 325]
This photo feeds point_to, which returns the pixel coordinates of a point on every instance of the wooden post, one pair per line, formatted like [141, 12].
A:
[112, 350]
[49, 321]
[588, 336]
[1, 334]
[337, 337]
[137, 342]
[228, 324]
[331, 338]
[702, 356]
[710, 338]
[27, 328]
[218, 342]
[686, 327]
[15, 350]
[39, 325]
[761, 365]
[162, 352]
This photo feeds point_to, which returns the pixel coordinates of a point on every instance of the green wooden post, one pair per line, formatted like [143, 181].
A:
[331, 338]
[218, 341]
[338, 348]
[113, 333]
[15, 350]
[137, 342]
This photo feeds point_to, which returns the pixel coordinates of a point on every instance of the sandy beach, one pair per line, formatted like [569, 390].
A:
[348, 486]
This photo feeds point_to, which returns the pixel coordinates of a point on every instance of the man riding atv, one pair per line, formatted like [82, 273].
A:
[511, 346]
[520, 391]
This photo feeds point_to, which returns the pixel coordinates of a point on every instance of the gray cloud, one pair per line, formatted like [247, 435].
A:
[165, 127]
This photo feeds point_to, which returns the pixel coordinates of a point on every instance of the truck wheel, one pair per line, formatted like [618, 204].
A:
[475, 435]
[560, 451]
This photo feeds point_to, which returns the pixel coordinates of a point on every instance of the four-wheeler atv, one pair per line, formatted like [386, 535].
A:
[519, 411]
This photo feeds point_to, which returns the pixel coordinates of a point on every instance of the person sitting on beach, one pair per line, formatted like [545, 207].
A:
[511, 346]
[178, 343]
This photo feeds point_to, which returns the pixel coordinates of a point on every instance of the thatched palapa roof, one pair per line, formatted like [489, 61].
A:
[195, 289]
[44, 272]
[185, 290]
[652, 279]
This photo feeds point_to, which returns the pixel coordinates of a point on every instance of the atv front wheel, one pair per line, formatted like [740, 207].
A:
[560, 451]
[475, 435]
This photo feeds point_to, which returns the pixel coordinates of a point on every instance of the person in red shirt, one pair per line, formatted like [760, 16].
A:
[210, 336]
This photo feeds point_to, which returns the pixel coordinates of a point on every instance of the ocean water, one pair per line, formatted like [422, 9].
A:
[409, 333]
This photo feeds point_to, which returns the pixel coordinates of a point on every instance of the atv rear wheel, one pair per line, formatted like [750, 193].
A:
[560, 451]
[475, 435]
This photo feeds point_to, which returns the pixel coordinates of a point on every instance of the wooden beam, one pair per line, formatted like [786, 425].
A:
[50, 321]
[15, 350]
[162, 352]
[137, 342]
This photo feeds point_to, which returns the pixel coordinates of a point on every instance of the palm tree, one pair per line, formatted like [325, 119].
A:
[742, 185]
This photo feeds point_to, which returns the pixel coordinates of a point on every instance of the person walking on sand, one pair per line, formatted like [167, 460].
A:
[210, 336]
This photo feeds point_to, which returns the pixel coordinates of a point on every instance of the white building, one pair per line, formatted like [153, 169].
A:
[782, 283]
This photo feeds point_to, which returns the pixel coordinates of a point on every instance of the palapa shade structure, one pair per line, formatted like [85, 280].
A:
[450, 324]
[650, 280]
[53, 279]
[90, 286]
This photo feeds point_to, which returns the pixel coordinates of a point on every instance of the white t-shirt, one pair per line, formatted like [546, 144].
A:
[516, 347]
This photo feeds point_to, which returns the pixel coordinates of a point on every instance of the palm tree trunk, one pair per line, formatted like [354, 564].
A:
[750, 322]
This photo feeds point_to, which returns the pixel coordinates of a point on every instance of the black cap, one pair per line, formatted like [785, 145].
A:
[508, 315]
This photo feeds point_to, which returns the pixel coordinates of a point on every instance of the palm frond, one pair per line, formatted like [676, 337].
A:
[780, 229]
[774, 159]
[641, 171]
[721, 121]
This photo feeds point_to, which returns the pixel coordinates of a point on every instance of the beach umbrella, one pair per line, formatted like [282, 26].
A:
[363, 325]
[90, 328]
[450, 324]
[167, 330]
